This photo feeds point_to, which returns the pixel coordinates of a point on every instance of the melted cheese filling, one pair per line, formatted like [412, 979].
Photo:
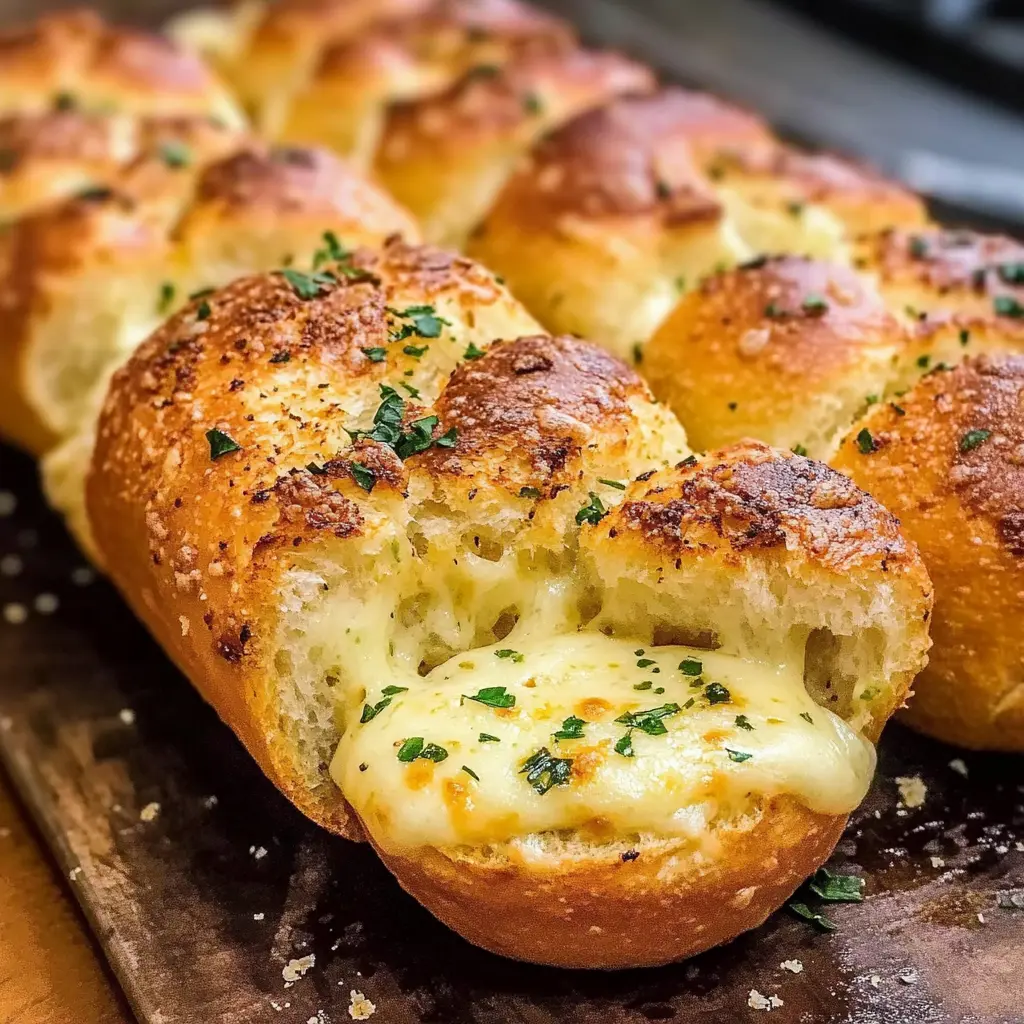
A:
[591, 733]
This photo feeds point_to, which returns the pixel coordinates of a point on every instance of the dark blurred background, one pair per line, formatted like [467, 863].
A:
[931, 91]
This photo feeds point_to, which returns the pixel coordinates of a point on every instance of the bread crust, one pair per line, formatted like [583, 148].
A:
[637, 905]
[946, 459]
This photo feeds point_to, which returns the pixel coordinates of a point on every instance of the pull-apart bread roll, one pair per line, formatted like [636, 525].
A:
[596, 702]
[80, 98]
[83, 282]
[906, 374]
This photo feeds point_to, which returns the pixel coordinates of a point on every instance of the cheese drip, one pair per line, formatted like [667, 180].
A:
[739, 727]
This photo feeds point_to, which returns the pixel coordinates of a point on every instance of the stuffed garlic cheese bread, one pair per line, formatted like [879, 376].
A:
[462, 590]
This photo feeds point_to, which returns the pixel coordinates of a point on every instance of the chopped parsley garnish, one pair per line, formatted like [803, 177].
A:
[175, 154]
[469, 771]
[814, 305]
[334, 251]
[203, 310]
[307, 286]
[416, 351]
[645, 685]
[799, 449]
[387, 427]
[923, 361]
[423, 322]
[167, 291]
[511, 655]
[64, 101]
[918, 247]
[413, 392]
[363, 476]
[221, 444]
[472, 352]
[649, 721]
[795, 208]
[638, 353]
[282, 355]
[532, 104]
[742, 722]
[739, 756]
[898, 409]
[617, 484]
[871, 399]
[390, 691]
[974, 439]
[375, 354]
[804, 911]
[371, 711]
[486, 737]
[1011, 273]
[645, 662]
[1007, 305]
[837, 888]
[624, 745]
[716, 693]
[593, 512]
[544, 771]
[572, 729]
[493, 697]
[415, 749]
[965, 336]
[806, 716]
[866, 443]
[773, 311]
[691, 667]
[315, 469]
[529, 492]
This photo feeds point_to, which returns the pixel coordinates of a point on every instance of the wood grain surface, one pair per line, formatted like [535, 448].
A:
[50, 971]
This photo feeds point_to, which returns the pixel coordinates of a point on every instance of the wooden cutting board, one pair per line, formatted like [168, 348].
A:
[203, 884]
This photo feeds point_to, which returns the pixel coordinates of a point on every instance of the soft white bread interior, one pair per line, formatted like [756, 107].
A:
[84, 281]
[472, 598]
[865, 367]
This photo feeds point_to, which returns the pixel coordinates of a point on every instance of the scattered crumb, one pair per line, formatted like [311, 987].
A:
[15, 613]
[981, 918]
[127, 716]
[938, 862]
[875, 981]
[1002, 849]
[11, 565]
[6, 723]
[82, 576]
[259, 852]
[8, 503]
[46, 604]
[795, 966]
[1019, 847]
[908, 976]
[258, 917]
[359, 1007]
[957, 764]
[5, 833]
[295, 969]
[74, 873]
[913, 791]
[149, 812]
[209, 802]
[756, 1001]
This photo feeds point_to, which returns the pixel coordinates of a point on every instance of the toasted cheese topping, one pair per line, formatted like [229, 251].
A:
[591, 733]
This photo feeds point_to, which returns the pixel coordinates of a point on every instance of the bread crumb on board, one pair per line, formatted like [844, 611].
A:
[149, 812]
[913, 791]
[295, 969]
[757, 1001]
[959, 766]
[359, 1007]
[793, 966]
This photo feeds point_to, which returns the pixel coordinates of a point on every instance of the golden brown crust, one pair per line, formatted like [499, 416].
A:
[948, 459]
[570, 912]
[862, 199]
[783, 349]
[629, 157]
[76, 59]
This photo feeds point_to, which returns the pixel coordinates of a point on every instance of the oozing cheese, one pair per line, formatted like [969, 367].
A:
[432, 766]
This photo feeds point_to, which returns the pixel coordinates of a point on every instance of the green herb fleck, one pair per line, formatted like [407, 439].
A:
[175, 154]
[814, 305]
[221, 444]
[742, 722]
[716, 693]
[593, 512]
[691, 667]
[805, 715]
[918, 247]
[423, 322]
[739, 756]
[624, 746]
[363, 476]
[415, 749]
[974, 439]
[308, 286]
[472, 352]
[866, 443]
[486, 737]
[804, 911]
[1007, 305]
[572, 729]
[529, 492]
[649, 721]
[510, 655]
[645, 685]
[799, 449]
[837, 888]
[617, 484]
[493, 697]
[469, 771]
[544, 771]
[375, 354]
